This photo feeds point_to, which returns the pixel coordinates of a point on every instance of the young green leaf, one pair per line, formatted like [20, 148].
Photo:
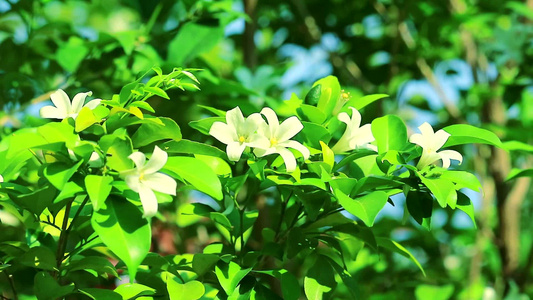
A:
[122, 228]
[229, 275]
[468, 134]
[197, 173]
[390, 133]
[191, 290]
[366, 207]
[98, 188]
[151, 132]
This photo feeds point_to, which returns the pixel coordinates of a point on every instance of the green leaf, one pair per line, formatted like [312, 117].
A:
[71, 54]
[320, 279]
[465, 204]
[313, 95]
[204, 125]
[97, 264]
[358, 153]
[330, 90]
[420, 206]
[191, 147]
[40, 258]
[311, 114]
[517, 146]
[314, 133]
[134, 290]
[390, 133]
[366, 207]
[424, 291]
[468, 134]
[229, 275]
[156, 91]
[202, 263]
[151, 132]
[70, 190]
[122, 228]
[191, 290]
[98, 189]
[97, 294]
[37, 200]
[396, 247]
[442, 189]
[84, 119]
[58, 173]
[117, 149]
[362, 102]
[327, 155]
[143, 105]
[345, 185]
[515, 173]
[372, 182]
[462, 179]
[217, 164]
[47, 288]
[290, 287]
[192, 40]
[40, 137]
[197, 173]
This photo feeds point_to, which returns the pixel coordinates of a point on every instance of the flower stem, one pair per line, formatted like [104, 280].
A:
[62, 244]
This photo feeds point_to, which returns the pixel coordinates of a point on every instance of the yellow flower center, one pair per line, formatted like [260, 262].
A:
[345, 95]
[273, 141]
[141, 176]
[242, 139]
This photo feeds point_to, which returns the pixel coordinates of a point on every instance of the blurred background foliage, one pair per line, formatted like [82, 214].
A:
[445, 62]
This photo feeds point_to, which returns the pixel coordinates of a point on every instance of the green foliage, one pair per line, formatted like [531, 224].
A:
[113, 191]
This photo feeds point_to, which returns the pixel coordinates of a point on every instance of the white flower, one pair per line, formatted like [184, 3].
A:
[1, 178]
[430, 143]
[354, 137]
[279, 136]
[144, 179]
[238, 133]
[63, 108]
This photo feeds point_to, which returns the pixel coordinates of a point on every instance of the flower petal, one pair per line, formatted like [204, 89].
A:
[156, 162]
[51, 112]
[234, 150]
[418, 139]
[255, 118]
[132, 180]
[260, 152]
[93, 103]
[361, 137]
[250, 125]
[288, 129]
[273, 122]
[161, 182]
[426, 130]
[439, 139]
[223, 132]
[1, 178]
[234, 117]
[138, 158]
[344, 117]
[355, 120]
[61, 101]
[148, 200]
[258, 141]
[446, 155]
[288, 158]
[299, 147]
[79, 99]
